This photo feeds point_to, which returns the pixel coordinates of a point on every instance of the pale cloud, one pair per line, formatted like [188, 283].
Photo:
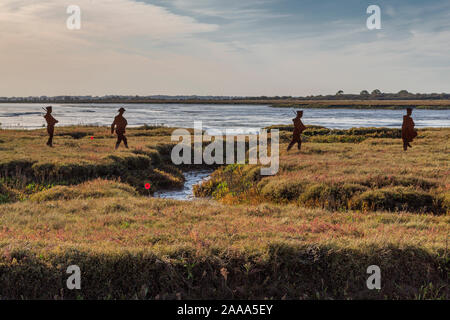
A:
[112, 20]
[40, 55]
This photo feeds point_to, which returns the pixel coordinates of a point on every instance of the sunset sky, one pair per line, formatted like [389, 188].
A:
[222, 47]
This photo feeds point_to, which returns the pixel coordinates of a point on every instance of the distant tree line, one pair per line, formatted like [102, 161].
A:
[365, 95]
[340, 95]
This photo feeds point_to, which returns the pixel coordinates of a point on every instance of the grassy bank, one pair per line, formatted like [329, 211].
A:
[362, 169]
[132, 247]
[85, 153]
[297, 235]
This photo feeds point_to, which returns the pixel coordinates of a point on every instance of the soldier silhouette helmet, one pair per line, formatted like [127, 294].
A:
[122, 110]
[49, 109]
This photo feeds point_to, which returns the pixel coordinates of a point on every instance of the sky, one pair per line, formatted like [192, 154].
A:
[223, 47]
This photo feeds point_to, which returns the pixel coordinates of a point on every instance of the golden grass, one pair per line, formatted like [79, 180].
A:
[199, 239]
[164, 225]
[247, 246]
[343, 175]
[76, 158]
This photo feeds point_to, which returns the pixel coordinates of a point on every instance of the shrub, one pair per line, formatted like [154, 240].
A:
[153, 154]
[92, 189]
[380, 181]
[320, 195]
[281, 190]
[252, 173]
[446, 201]
[314, 195]
[221, 190]
[398, 198]
[205, 189]
[75, 134]
[7, 194]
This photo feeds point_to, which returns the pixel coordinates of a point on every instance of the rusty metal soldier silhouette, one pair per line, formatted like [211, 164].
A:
[408, 132]
[50, 125]
[299, 127]
[120, 123]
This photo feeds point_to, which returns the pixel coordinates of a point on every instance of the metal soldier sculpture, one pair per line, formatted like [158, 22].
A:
[50, 125]
[408, 132]
[120, 123]
[299, 127]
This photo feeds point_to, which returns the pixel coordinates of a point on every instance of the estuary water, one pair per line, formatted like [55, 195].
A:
[241, 118]
[215, 118]
[192, 178]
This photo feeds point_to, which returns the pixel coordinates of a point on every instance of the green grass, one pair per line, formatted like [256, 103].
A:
[127, 245]
[76, 158]
[309, 232]
[370, 172]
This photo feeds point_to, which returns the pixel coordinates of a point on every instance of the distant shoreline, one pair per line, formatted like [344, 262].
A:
[288, 103]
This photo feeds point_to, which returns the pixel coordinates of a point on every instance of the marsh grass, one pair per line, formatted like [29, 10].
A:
[124, 243]
[76, 158]
[369, 174]
[295, 235]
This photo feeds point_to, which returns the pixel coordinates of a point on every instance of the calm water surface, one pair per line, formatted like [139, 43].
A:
[244, 118]
[192, 178]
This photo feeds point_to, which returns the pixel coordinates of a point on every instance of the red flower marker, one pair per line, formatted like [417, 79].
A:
[92, 138]
[147, 186]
